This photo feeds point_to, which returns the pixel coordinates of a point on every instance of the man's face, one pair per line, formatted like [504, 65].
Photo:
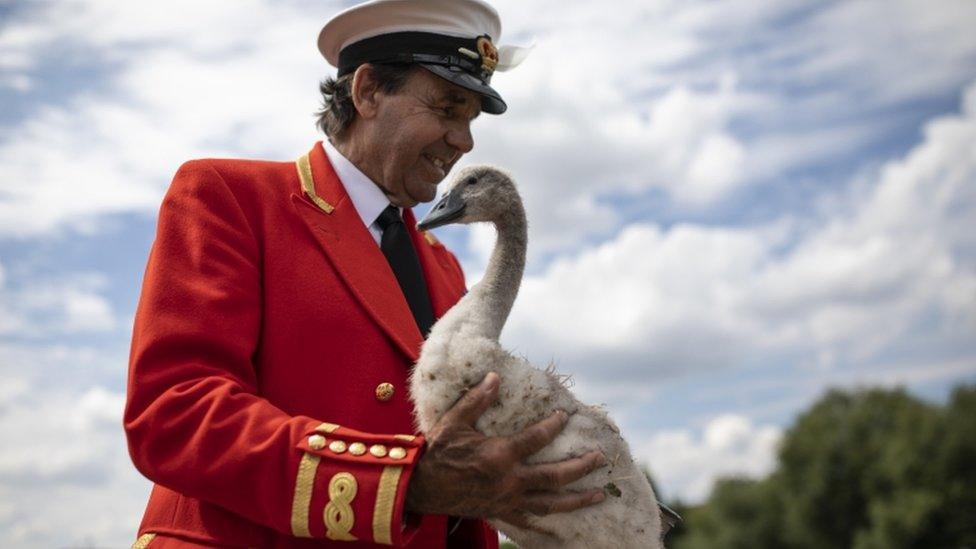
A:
[418, 134]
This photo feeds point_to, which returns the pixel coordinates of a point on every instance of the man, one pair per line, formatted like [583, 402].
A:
[285, 302]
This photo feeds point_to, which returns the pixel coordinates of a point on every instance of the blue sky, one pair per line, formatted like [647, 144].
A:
[733, 207]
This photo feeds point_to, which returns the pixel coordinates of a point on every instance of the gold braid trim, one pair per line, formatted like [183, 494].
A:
[409, 438]
[308, 184]
[143, 541]
[385, 499]
[338, 515]
[326, 427]
[304, 483]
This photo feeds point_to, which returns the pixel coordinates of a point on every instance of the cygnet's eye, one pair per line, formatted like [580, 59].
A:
[471, 180]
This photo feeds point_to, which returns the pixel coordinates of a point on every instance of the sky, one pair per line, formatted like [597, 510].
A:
[734, 206]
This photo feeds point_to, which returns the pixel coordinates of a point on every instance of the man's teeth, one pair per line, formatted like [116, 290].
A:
[437, 162]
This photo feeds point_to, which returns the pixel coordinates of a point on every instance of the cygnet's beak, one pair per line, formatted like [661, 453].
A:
[448, 209]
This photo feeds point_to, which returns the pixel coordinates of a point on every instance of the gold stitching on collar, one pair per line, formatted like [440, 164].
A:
[326, 427]
[385, 500]
[304, 482]
[308, 184]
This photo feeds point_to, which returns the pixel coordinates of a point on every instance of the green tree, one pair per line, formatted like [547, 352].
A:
[741, 514]
[951, 472]
[866, 469]
[853, 455]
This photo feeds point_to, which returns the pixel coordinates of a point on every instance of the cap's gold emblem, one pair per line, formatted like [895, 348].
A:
[489, 54]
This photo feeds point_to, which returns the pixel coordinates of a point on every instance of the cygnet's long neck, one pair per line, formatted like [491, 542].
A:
[496, 292]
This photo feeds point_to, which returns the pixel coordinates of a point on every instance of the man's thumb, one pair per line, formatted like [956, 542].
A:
[475, 402]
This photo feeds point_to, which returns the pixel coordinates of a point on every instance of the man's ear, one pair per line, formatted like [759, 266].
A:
[364, 90]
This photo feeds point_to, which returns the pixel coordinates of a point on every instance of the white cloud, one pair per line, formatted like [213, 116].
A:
[93, 416]
[206, 79]
[687, 462]
[571, 144]
[63, 447]
[10, 322]
[215, 79]
[652, 102]
[898, 269]
[70, 303]
[63, 443]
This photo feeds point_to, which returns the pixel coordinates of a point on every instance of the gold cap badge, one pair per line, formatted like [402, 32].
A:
[489, 54]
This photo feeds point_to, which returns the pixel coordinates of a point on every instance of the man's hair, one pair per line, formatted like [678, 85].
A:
[338, 110]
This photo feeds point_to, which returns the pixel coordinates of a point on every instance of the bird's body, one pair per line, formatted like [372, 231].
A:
[463, 347]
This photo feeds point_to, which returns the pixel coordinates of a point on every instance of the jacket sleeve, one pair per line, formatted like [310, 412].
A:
[194, 420]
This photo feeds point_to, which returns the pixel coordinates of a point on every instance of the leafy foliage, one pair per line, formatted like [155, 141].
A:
[869, 469]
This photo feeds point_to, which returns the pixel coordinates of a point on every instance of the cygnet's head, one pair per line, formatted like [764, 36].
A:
[477, 193]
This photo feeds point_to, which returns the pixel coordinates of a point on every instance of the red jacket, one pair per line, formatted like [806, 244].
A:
[269, 334]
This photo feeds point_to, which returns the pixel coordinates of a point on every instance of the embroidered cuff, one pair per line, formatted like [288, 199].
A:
[351, 485]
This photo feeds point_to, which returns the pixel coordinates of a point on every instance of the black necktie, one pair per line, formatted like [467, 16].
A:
[403, 260]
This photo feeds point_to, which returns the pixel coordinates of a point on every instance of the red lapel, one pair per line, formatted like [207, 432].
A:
[359, 261]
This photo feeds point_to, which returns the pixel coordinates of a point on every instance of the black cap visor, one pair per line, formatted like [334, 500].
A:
[491, 102]
[454, 59]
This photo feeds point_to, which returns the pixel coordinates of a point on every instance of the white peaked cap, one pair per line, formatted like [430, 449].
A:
[452, 38]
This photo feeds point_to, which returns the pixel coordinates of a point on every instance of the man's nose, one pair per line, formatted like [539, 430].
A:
[460, 138]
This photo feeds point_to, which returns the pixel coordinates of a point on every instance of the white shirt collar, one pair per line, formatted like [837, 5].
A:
[366, 195]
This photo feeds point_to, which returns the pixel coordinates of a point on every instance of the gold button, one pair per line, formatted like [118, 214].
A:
[397, 453]
[316, 442]
[357, 448]
[378, 450]
[384, 392]
[337, 446]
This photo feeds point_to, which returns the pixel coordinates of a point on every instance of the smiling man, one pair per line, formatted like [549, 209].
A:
[405, 138]
[284, 304]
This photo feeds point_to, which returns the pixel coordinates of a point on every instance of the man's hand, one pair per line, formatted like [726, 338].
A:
[464, 473]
